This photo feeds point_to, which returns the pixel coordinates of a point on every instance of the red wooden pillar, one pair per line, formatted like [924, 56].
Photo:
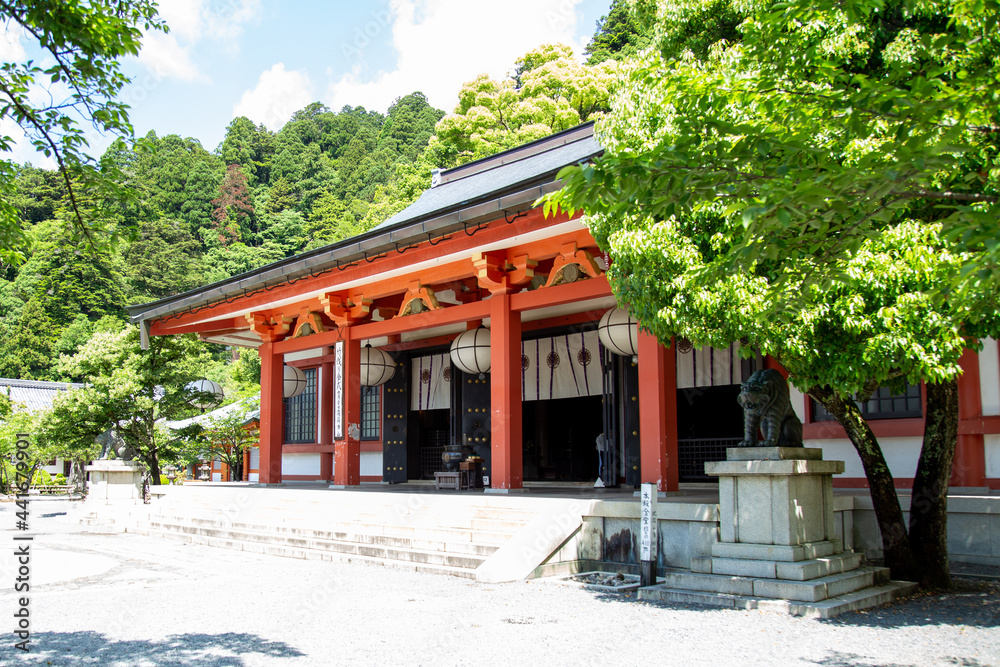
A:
[326, 420]
[505, 394]
[272, 413]
[347, 449]
[658, 458]
[969, 466]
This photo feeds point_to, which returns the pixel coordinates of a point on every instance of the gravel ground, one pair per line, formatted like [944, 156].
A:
[114, 599]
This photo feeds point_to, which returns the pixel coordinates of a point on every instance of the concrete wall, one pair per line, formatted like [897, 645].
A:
[300, 464]
[610, 533]
[973, 528]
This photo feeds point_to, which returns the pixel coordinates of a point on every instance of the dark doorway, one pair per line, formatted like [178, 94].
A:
[560, 439]
[708, 421]
[434, 428]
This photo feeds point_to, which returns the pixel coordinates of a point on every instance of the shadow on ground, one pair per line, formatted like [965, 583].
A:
[973, 603]
[841, 659]
[93, 648]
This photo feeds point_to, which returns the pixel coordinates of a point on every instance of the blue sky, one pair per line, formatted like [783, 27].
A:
[266, 59]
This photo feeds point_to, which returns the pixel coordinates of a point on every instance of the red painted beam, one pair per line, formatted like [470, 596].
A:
[505, 395]
[272, 414]
[458, 242]
[225, 325]
[658, 447]
[582, 290]
[969, 467]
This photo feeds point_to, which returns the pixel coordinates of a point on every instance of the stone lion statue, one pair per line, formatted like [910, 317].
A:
[766, 405]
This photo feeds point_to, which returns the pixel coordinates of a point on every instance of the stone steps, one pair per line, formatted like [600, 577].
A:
[799, 570]
[310, 553]
[813, 590]
[335, 540]
[366, 530]
[860, 599]
[428, 533]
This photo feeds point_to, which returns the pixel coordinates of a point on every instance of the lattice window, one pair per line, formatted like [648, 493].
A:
[371, 412]
[883, 404]
[300, 413]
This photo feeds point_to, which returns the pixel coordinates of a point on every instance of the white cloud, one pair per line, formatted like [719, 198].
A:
[192, 22]
[443, 43]
[21, 150]
[165, 57]
[11, 50]
[278, 94]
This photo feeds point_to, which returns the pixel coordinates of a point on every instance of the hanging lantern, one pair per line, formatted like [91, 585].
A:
[204, 393]
[619, 332]
[295, 382]
[376, 366]
[471, 351]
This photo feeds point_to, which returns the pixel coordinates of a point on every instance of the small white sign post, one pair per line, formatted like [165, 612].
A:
[647, 535]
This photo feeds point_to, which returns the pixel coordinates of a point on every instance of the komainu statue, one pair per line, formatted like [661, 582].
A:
[766, 405]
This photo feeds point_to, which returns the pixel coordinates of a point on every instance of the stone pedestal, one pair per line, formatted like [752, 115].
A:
[776, 501]
[777, 545]
[114, 482]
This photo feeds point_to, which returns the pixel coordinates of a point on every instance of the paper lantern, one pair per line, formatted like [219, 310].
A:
[295, 382]
[376, 366]
[619, 332]
[471, 351]
[205, 393]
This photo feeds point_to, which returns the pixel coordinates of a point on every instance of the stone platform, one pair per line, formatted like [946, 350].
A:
[778, 548]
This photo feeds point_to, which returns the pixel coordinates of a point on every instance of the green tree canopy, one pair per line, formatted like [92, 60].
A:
[75, 80]
[131, 388]
[806, 184]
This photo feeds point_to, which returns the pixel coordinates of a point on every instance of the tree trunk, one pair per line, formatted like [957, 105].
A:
[895, 545]
[929, 503]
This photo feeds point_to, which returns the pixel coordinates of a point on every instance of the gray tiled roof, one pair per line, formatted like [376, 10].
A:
[34, 394]
[480, 190]
[513, 170]
[248, 408]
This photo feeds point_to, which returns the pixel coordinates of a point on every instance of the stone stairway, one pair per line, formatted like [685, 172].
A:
[443, 534]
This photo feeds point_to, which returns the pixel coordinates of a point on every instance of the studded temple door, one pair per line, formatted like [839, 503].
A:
[395, 411]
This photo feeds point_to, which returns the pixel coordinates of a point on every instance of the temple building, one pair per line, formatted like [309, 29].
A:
[469, 322]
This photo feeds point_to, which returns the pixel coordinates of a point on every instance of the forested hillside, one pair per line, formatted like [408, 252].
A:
[203, 214]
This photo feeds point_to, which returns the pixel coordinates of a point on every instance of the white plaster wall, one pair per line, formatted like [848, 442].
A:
[371, 464]
[992, 443]
[798, 400]
[989, 377]
[253, 477]
[300, 464]
[900, 453]
[216, 476]
[305, 354]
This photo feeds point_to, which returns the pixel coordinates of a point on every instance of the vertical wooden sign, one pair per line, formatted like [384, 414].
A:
[338, 390]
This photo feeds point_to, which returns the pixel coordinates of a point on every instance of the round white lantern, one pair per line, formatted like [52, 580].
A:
[471, 351]
[206, 394]
[376, 366]
[619, 332]
[295, 381]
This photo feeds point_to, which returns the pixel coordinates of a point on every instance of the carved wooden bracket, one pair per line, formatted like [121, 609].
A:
[498, 275]
[308, 323]
[571, 265]
[418, 299]
[345, 311]
[270, 328]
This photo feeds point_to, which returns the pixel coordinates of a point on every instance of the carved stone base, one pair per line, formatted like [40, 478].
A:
[114, 482]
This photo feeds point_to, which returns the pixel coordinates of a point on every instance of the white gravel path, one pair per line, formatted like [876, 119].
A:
[123, 599]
